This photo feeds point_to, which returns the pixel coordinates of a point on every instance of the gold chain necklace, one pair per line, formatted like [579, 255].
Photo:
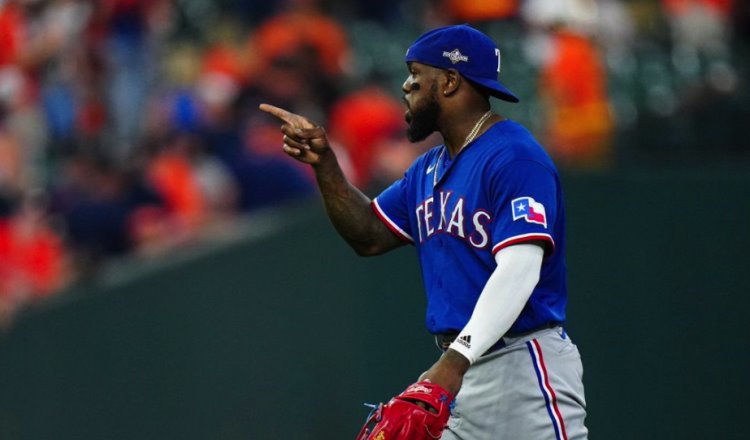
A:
[469, 138]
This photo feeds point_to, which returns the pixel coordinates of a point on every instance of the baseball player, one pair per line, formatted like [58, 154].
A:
[485, 213]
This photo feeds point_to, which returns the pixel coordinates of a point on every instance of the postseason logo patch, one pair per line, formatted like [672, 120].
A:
[530, 210]
[455, 56]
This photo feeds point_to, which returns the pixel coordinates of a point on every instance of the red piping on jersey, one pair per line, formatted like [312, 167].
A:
[388, 223]
[524, 238]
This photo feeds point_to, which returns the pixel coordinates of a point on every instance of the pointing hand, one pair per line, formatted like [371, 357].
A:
[303, 140]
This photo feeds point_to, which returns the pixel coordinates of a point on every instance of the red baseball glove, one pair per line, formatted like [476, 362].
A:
[403, 419]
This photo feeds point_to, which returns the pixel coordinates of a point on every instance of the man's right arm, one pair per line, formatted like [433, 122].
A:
[350, 211]
[347, 207]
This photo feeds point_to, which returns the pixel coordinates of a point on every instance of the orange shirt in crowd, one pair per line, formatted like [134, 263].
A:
[31, 259]
[573, 87]
[481, 10]
[678, 7]
[7, 266]
[286, 33]
[359, 121]
[224, 60]
[173, 177]
[11, 33]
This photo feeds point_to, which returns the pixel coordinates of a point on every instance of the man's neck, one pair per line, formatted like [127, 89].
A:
[457, 135]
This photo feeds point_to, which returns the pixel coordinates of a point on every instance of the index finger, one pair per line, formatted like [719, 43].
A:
[288, 117]
[278, 112]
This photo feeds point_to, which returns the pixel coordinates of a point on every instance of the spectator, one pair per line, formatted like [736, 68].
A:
[572, 85]
[360, 122]
[171, 173]
[262, 178]
[21, 53]
[33, 261]
[132, 26]
[700, 25]
[481, 10]
[97, 202]
[300, 56]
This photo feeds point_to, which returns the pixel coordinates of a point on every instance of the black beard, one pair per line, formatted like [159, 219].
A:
[423, 121]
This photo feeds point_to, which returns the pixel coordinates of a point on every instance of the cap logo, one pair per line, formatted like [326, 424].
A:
[455, 56]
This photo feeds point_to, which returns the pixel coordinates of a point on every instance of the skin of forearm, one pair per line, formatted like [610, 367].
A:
[349, 209]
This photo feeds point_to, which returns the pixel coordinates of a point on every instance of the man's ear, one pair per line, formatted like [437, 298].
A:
[451, 82]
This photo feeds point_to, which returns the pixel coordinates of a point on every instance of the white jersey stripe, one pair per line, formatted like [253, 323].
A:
[521, 238]
[390, 223]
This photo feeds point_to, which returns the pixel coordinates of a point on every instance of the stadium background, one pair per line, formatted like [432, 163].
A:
[166, 273]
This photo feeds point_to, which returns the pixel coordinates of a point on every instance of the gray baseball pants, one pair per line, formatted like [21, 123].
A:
[531, 389]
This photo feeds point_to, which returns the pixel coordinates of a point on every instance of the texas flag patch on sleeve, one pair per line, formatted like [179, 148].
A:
[530, 210]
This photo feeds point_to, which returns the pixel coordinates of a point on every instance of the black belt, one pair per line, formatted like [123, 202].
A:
[444, 340]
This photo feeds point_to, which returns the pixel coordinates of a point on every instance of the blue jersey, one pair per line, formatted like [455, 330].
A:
[501, 189]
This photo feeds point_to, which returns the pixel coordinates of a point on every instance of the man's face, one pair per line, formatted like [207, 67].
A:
[421, 98]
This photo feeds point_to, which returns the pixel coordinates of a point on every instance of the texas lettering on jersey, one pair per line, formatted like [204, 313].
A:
[451, 217]
[500, 191]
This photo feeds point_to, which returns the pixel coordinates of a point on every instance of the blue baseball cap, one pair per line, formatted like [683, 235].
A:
[469, 51]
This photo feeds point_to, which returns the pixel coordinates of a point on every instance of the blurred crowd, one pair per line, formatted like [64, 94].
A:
[131, 127]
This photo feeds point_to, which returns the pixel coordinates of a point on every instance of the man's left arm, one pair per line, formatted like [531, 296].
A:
[499, 305]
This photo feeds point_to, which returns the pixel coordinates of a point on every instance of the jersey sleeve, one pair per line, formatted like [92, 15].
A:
[392, 208]
[525, 198]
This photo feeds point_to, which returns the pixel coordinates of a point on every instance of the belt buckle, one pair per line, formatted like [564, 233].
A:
[444, 340]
